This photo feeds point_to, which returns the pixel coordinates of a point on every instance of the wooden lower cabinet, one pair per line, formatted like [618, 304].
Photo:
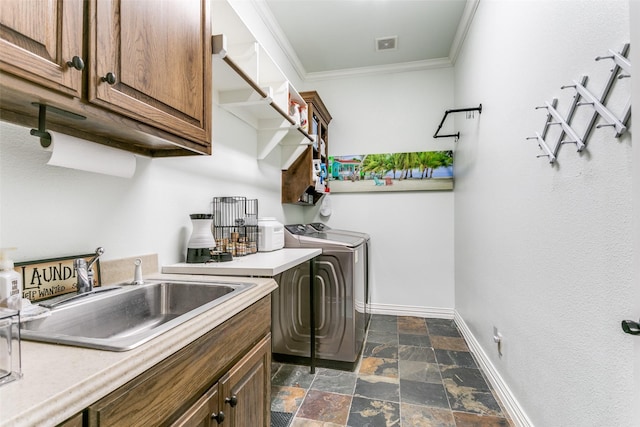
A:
[240, 398]
[222, 378]
[205, 412]
[75, 421]
[246, 389]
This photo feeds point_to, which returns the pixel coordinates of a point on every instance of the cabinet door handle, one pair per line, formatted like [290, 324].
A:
[77, 63]
[631, 327]
[233, 400]
[219, 417]
[109, 78]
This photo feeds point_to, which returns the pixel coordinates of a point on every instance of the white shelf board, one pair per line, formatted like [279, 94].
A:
[251, 86]
[225, 20]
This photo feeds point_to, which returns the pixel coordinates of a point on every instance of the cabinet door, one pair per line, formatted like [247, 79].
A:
[75, 421]
[38, 38]
[203, 413]
[152, 62]
[301, 173]
[246, 389]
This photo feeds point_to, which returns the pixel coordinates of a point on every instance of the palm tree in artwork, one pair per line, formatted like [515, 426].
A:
[396, 163]
[432, 160]
[426, 161]
[445, 159]
[422, 163]
[375, 163]
[409, 162]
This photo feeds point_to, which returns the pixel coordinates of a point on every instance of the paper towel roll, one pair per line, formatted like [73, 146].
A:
[75, 153]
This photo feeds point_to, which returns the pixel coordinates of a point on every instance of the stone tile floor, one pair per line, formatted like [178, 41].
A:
[414, 372]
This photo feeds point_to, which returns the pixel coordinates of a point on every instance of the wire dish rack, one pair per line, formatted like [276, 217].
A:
[235, 225]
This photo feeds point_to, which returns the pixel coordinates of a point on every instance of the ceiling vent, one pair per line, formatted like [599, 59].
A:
[387, 43]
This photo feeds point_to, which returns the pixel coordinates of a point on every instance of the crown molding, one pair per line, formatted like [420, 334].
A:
[272, 25]
[429, 64]
[279, 36]
[463, 28]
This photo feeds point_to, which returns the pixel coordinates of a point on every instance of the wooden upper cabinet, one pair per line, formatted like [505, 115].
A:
[152, 62]
[137, 71]
[38, 41]
[299, 178]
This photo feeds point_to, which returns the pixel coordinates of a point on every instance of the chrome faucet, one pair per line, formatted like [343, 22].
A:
[84, 272]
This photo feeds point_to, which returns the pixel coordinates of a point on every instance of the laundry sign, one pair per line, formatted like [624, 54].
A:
[52, 277]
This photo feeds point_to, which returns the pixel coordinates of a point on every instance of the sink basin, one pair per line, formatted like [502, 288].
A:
[128, 316]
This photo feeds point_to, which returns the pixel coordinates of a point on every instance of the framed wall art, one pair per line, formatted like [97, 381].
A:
[417, 171]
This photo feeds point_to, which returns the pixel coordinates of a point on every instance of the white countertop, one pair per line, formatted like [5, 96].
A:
[60, 381]
[263, 264]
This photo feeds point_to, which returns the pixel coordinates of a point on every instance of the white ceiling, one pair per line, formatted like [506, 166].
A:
[325, 38]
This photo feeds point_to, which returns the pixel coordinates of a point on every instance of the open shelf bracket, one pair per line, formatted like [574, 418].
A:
[457, 110]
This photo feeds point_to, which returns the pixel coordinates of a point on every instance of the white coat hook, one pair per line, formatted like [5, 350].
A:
[544, 147]
[585, 97]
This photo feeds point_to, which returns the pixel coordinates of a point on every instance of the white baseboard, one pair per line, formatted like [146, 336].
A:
[513, 408]
[407, 310]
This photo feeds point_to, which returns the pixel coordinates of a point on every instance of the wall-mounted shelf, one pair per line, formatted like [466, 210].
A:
[251, 86]
[304, 183]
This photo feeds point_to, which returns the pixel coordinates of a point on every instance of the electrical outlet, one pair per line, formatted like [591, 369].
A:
[497, 338]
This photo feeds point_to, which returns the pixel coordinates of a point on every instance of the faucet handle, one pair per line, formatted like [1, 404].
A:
[99, 252]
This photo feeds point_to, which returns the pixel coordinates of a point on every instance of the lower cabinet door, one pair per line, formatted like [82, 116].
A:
[246, 389]
[204, 413]
[75, 421]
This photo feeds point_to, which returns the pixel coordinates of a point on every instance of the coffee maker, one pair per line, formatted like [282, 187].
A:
[201, 242]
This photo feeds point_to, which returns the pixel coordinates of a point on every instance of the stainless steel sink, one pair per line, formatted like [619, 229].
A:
[129, 316]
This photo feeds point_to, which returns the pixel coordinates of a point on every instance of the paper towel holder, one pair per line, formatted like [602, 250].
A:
[41, 132]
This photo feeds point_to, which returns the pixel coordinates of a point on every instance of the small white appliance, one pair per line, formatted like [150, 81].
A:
[270, 234]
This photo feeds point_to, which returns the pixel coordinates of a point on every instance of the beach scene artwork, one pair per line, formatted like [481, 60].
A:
[418, 171]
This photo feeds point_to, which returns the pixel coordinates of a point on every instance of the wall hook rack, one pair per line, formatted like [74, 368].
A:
[585, 97]
[457, 110]
[41, 132]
